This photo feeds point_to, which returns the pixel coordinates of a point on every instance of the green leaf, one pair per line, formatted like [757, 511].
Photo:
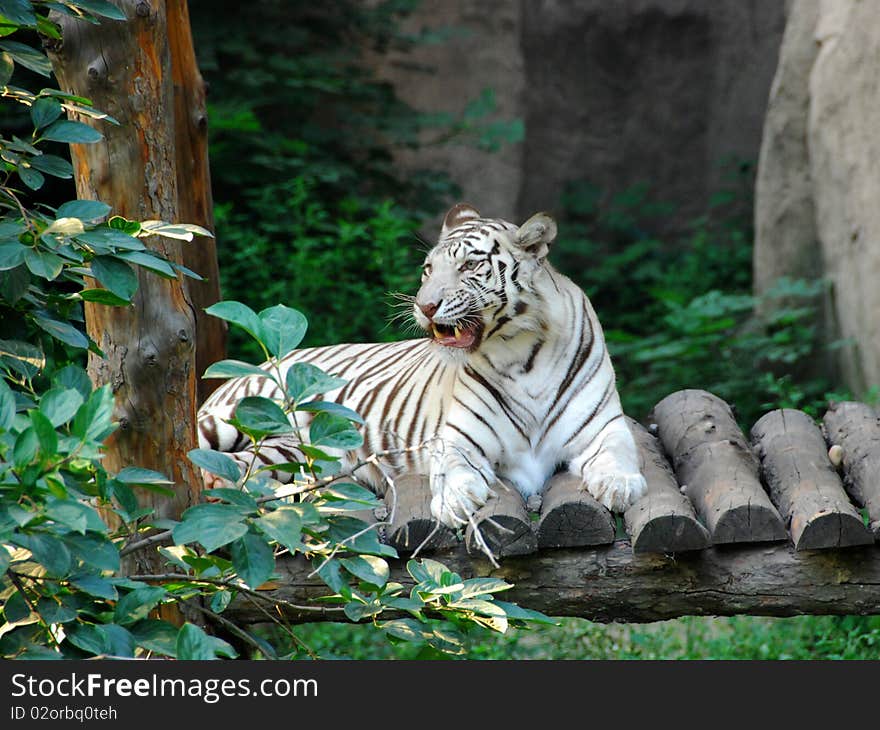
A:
[118, 223]
[331, 431]
[25, 448]
[407, 629]
[148, 261]
[331, 573]
[53, 165]
[213, 528]
[7, 406]
[30, 177]
[85, 210]
[156, 636]
[12, 254]
[44, 264]
[94, 550]
[220, 600]
[101, 7]
[74, 377]
[515, 612]
[122, 643]
[480, 586]
[28, 57]
[238, 314]
[60, 404]
[44, 111]
[65, 130]
[137, 604]
[102, 296]
[305, 380]
[91, 638]
[284, 525]
[233, 369]
[193, 643]
[70, 513]
[142, 477]
[14, 284]
[66, 333]
[368, 568]
[95, 585]
[16, 608]
[45, 432]
[261, 415]
[252, 559]
[233, 496]
[103, 238]
[328, 406]
[216, 463]
[47, 550]
[53, 612]
[282, 329]
[115, 275]
[93, 418]
[18, 12]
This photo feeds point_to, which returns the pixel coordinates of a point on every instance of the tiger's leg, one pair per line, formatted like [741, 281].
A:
[460, 481]
[609, 467]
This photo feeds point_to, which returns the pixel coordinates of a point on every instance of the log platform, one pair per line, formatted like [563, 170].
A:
[779, 526]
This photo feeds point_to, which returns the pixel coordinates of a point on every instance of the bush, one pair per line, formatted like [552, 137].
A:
[678, 310]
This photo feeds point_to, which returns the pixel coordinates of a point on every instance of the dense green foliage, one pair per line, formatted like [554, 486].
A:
[303, 136]
[678, 310]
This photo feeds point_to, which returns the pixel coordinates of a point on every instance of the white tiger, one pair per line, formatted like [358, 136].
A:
[513, 382]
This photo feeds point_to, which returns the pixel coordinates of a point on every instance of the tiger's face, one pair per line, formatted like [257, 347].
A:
[477, 280]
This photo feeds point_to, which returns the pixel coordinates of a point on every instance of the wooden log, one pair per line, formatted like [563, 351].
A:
[412, 524]
[614, 584]
[803, 483]
[571, 517]
[664, 520]
[718, 470]
[504, 524]
[855, 428]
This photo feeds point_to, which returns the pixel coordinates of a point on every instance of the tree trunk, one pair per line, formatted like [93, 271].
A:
[195, 204]
[125, 68]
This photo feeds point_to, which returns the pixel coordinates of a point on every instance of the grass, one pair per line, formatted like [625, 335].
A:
[739, 637]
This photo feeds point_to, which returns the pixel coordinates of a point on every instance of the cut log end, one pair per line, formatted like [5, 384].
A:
[834, 530]
[749, 523]
[571, 517]
[503, 524]
[671, 533]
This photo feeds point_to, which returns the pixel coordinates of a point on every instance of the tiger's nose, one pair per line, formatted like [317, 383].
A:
[429, 309]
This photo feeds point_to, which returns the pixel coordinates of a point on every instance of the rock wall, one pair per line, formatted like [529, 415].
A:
[830, 61]
[657, 91]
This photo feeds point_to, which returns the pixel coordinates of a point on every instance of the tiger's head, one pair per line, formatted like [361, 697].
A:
[477, 282]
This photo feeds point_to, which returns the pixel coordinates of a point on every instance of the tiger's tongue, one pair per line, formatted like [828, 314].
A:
[464, 338]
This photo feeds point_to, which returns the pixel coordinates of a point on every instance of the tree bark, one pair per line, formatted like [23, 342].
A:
[195, 203]
[125, 68]
[614, 584]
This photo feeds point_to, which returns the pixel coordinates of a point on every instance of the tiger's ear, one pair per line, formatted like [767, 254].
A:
[536, 235]
[457, 215]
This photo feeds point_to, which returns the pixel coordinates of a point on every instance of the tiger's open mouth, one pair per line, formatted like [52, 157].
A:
[466, 337]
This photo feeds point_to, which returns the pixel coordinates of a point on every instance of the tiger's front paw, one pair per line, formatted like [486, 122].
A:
[459, 497]
[616, 491]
